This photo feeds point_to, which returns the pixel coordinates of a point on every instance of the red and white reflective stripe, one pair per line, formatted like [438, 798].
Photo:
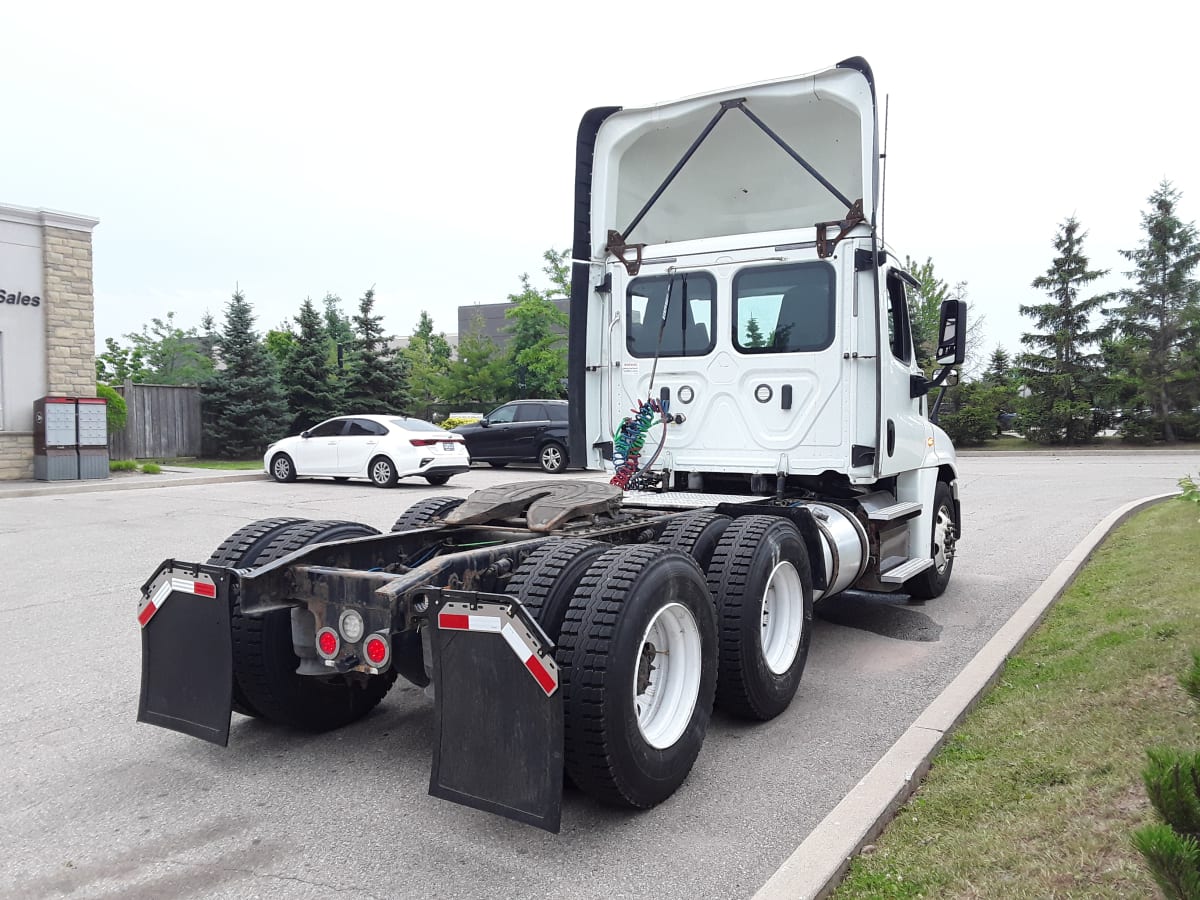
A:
[468, 622]
[153, 603]
[526, 647]
[539, 672]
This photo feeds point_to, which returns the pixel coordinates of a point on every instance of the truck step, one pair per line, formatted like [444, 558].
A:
[902, 510]
[905, 570]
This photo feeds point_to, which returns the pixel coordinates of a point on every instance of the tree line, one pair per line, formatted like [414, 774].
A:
[1127, 360]
[321, 363]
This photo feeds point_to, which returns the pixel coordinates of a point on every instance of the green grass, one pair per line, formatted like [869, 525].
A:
[193, 462]
[1037, 792]
[122, 465]
[1009, 442]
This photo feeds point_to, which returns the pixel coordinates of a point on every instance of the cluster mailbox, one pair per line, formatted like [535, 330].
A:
[70, 438]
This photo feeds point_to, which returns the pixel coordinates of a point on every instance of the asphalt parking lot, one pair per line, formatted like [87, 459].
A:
[99, 806]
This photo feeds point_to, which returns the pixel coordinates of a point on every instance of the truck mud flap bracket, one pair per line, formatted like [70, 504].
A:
[187, 652]
[498, 711]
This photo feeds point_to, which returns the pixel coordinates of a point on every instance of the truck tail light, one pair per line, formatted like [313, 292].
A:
[328, 643]
[351, 626]
[377, 650]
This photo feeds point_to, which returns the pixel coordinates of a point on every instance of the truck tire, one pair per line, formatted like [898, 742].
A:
[239, 551]
[264, 662]
[634, 718]
[546, 580]
[761, 584]
[423, 512]
[934, 580]
[696, 535]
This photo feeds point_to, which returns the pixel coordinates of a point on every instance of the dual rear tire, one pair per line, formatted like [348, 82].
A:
[265, 682]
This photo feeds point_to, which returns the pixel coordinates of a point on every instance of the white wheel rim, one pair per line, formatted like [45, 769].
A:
[551, 458]
[281, 468]
[381, 472]
[782, 623]
[942, 551]
[666, 677]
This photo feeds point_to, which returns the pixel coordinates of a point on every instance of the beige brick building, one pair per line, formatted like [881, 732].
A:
[47, 331]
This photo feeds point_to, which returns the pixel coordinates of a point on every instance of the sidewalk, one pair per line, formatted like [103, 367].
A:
[171, 476]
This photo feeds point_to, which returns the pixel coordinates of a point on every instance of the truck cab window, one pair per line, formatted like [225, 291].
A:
[784, 309]
[689, 326]
[899, 327]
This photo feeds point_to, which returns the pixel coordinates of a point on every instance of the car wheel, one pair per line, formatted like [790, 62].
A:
[437, 478]
[552, 458]
[382, 472]
[282, 468]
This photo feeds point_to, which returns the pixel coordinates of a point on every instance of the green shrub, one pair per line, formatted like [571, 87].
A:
[455, 421]
[115, 410]
[122, 465]
[1173, 786]
[1191, 681]
[1173, 860]
[151, 468]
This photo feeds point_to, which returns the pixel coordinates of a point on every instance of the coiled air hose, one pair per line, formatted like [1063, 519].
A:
[631, 437]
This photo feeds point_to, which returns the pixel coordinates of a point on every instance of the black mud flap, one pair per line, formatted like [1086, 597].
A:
[498, 710]
[187, 652]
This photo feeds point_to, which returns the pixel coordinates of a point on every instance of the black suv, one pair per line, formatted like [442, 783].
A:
[520, 431]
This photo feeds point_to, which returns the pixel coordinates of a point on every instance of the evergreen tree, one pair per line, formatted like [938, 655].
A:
[1159, 320]
[475, 378]
[242, 403]
[999, 370]
[375, 381]
[1061, 369]
[340, 334]
[307, 376]
[754, 335]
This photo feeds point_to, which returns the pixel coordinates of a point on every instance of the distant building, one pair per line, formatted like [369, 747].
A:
[494, 321]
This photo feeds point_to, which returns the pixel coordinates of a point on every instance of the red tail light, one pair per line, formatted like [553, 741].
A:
[377, 650]
[431, 442]
[328, 643]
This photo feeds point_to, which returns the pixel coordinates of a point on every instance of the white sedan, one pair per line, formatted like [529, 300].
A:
[379, 448]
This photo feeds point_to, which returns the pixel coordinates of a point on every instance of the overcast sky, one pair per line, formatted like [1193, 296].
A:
[427, 149]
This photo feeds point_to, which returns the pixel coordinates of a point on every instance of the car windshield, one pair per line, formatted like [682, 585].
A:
[415, 425]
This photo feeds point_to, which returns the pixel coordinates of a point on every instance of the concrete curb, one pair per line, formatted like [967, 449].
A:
[816, 867]
[148, 482]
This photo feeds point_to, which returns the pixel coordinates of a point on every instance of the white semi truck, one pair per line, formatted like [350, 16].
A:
[741, 363]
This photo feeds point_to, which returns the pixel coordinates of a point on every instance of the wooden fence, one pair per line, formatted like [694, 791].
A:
[162, 422]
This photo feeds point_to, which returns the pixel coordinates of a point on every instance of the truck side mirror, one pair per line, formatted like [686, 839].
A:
[952, 333]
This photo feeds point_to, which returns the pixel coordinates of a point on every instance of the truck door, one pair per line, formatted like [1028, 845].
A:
[903, 427]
